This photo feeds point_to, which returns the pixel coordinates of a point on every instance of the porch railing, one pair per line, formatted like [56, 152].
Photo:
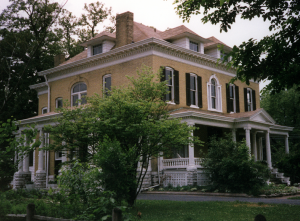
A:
[179, 163]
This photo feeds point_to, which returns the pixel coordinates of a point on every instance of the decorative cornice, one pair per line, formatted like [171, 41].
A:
[136, 48]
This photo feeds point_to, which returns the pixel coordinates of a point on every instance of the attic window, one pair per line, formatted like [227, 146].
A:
[97, 49]
[223, 55]
[194, 46]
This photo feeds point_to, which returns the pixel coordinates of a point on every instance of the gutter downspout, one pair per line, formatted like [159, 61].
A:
[49, 97]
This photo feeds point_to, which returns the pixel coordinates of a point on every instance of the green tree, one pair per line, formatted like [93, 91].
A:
[231, 167]
[121, 130]
[96, 13]
[275, 57]
[7, 153]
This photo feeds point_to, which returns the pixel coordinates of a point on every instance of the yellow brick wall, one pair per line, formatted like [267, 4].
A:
[43, 102]
[205, 74]
[62, 88]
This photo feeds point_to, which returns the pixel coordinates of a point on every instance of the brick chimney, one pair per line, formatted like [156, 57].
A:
[58, 59]
[124, 29]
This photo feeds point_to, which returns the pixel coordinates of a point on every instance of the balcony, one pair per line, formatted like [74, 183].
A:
[178, 163]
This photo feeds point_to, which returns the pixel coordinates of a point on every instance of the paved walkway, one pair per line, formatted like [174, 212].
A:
[201, 198]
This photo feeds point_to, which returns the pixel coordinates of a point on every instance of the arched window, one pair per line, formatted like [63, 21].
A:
[78, 92]
[214, 98]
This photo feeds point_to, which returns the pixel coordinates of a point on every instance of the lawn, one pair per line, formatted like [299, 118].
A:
[214, 211]
[151, 210]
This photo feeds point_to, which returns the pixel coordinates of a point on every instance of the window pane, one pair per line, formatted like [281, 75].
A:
[231, 91]
[97, 49]
[213, 90]
[169, 77]
[76, 88]
[83, 98]
[108, 83]
[213, 103]
[169, 95]
[82, 87]
[249, 96]
[193, 46]
[192, 83]
[193, 97]
[75, 99]
[59, 103]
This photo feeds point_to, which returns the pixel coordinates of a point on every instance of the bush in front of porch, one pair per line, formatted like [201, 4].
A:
[231, 167]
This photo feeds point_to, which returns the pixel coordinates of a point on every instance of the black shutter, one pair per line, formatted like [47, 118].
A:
[188, 92]
[228, 98]
[245, 99]
[253, 100]
[163, 78]
[199, 82]
[237, 99]
[176, 87]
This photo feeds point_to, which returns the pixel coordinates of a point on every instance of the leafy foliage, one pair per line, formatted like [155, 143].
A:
[231, 167]
[254, 59]
[7, 153]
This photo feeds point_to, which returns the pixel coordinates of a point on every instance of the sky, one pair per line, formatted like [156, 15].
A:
[162, 15]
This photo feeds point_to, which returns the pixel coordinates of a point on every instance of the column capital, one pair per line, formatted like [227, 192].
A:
[190, 123]
[247, 128]
[287, 136]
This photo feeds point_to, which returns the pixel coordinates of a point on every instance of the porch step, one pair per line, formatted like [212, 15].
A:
[279, 178]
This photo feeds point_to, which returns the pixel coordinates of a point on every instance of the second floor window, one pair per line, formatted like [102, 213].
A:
[193, 90]
[97, 49]
[79, 92]
[214, 97]
[249, 99]
[232, 98]
[171, 77]
[194, 46]
[106, 84]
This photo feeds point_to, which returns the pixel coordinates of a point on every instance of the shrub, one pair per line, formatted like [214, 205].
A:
[231, 167]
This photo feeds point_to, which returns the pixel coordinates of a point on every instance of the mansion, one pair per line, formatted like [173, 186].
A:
[200, 95]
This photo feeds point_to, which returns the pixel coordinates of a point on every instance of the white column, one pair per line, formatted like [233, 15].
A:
[149, 165]
[260, 152]
[254, 145]
[248, 142]
[233, 134]
[287, 144]
[160, 164]
[41, 152]
[20, 165]
[268, 149]
[26, 159]
[191, 153]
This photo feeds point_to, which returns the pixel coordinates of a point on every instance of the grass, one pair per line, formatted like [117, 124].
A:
[294, 198]
[16, 201]
[214, 211]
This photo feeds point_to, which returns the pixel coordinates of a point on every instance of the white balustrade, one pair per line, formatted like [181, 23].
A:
[179, 163]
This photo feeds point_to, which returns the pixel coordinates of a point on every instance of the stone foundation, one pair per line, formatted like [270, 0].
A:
[20, 179]
[40, 179]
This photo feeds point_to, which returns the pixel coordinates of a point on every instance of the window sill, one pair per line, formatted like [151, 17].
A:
[194, 106]
[215, 110]
[170, 102]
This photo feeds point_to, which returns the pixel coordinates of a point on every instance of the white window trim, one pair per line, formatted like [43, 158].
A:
[103, 81]
[234, 98]
[251, 98]
[56, 101]
[196, 43]
[196, 91]
[172, 88]
[218, 94]
[79, 93]
[43, 109]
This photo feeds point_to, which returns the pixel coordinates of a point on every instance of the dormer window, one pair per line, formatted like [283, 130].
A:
[97, 49]
[194, 46]
[222, 56]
